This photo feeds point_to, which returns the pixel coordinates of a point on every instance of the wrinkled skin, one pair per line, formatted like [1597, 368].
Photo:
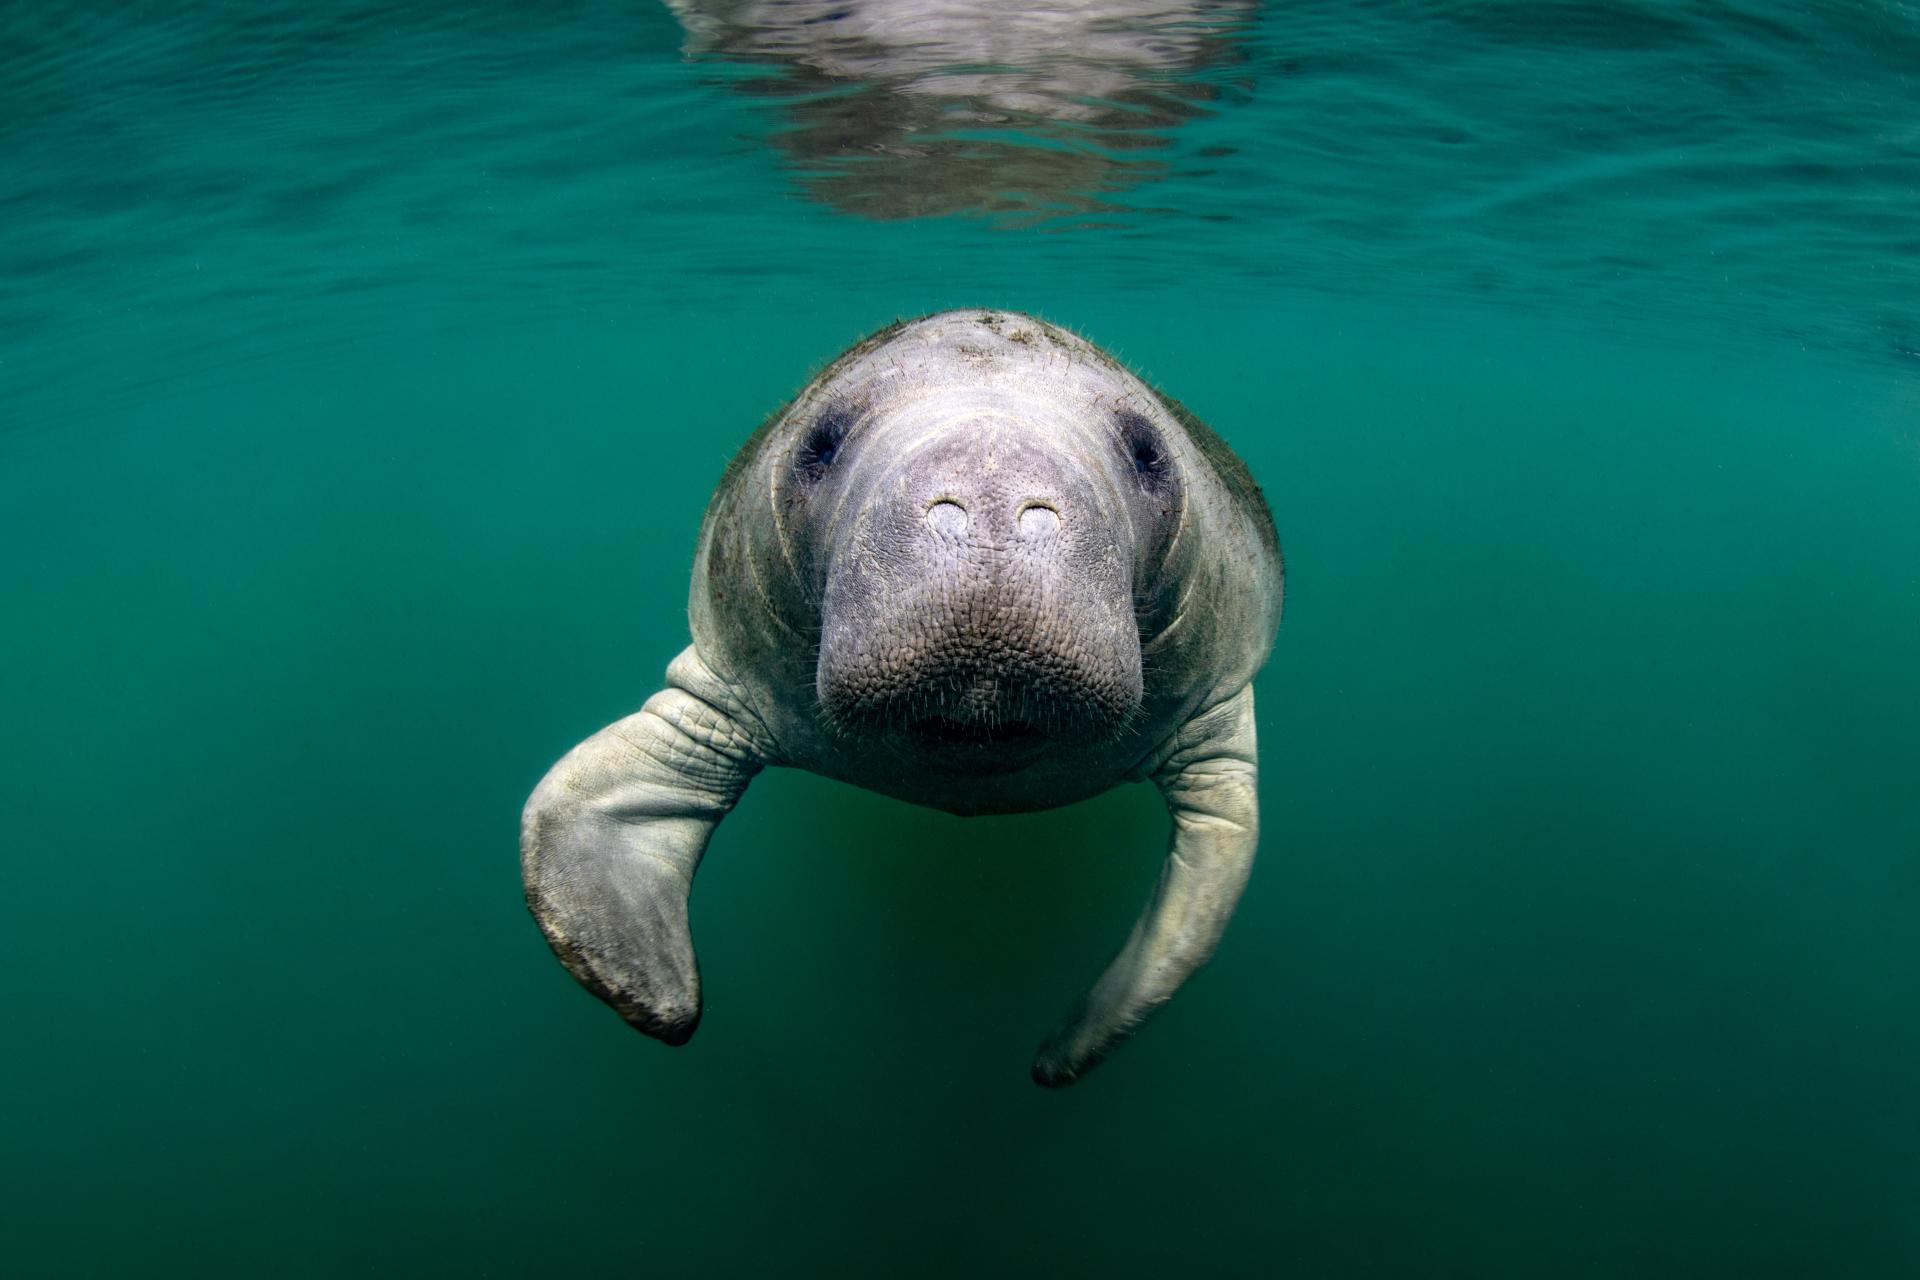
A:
[977, 565]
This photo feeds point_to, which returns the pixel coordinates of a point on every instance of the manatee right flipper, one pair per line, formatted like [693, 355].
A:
[612, 836]
[1210, 782]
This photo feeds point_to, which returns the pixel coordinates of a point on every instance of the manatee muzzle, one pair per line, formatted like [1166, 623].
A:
[980, 601]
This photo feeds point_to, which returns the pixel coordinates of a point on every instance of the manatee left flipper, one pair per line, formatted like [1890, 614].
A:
[1210, 780]
[610, 841]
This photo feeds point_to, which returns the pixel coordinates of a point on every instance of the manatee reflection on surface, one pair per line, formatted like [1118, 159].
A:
[915, 108]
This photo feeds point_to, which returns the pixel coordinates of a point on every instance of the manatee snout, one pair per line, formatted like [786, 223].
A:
[980, 598]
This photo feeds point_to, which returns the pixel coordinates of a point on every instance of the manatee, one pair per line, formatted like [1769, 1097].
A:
[975, 564]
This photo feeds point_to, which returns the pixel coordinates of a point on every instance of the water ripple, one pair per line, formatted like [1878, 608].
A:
[236, 171]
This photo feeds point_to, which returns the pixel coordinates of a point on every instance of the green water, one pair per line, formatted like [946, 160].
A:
[362, 381]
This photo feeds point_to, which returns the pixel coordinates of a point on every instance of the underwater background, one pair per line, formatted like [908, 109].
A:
[364, 372]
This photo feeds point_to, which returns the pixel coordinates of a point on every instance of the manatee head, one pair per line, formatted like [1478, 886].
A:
[983, 508]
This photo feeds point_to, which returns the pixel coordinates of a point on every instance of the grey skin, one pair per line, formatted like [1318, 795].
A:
[976, 564]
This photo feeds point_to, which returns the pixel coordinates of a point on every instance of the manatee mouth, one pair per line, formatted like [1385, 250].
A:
[976, 747]
[974, 720]
[947, 732]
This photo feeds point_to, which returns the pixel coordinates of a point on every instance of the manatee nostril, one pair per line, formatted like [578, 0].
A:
[947, 517]
[1037, 519]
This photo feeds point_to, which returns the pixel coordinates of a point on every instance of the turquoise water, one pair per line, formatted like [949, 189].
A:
[363, 376]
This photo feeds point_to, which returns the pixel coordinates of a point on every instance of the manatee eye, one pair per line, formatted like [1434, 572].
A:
[822, 443]
[1144, 447]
